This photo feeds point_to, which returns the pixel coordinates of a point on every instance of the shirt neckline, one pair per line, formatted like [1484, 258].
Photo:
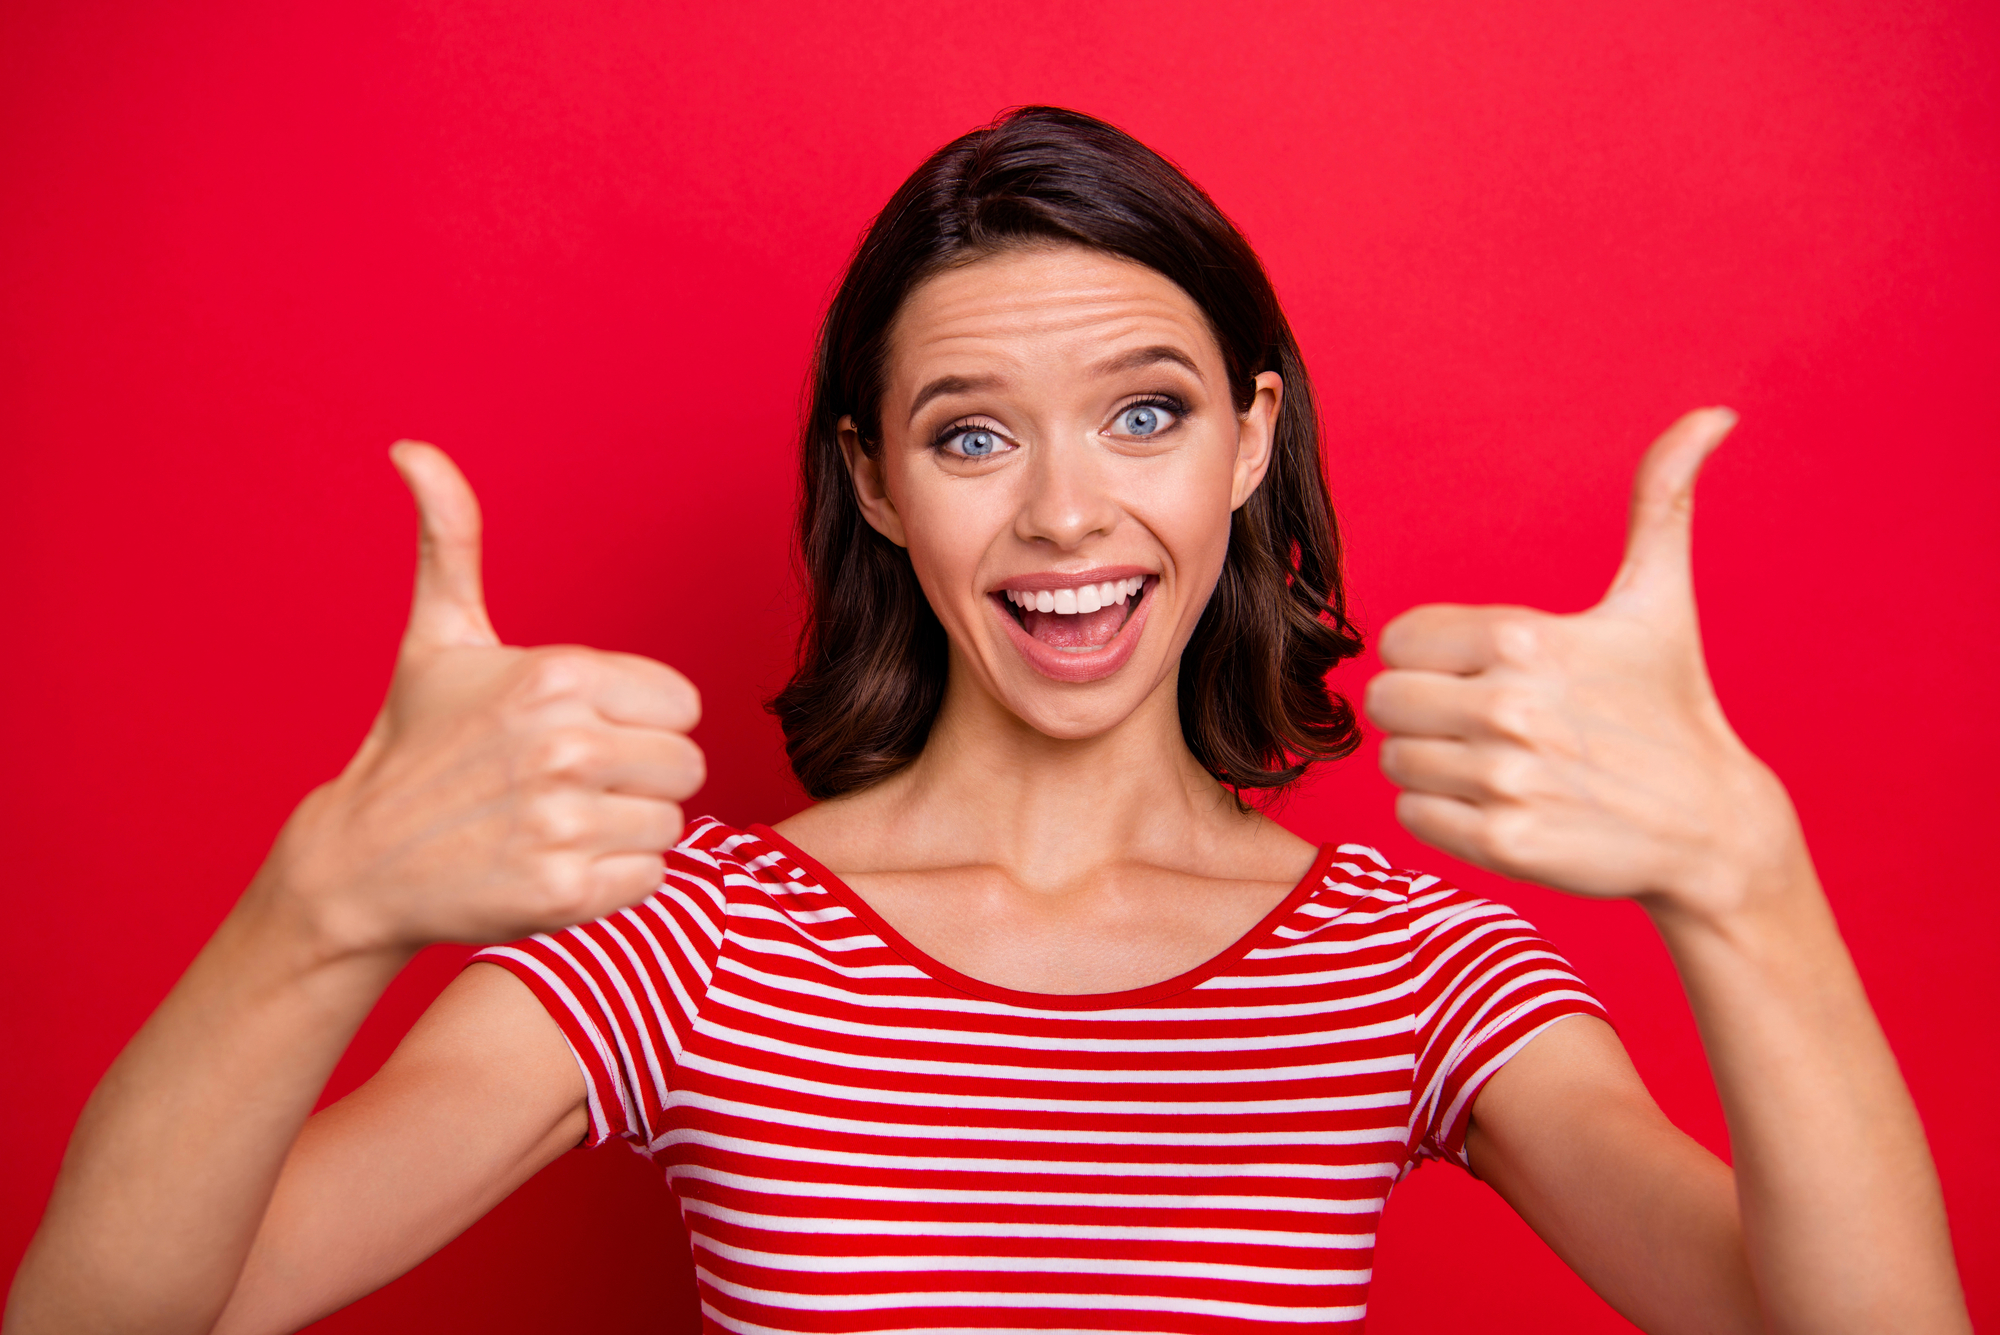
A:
[1077, 1001]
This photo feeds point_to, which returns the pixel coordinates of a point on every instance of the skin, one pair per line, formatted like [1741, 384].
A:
[1018, 848]
[1054, 836]
[1590, 753]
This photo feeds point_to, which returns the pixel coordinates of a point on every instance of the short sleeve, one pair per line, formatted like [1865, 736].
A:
[1486, 984]
[626, 989]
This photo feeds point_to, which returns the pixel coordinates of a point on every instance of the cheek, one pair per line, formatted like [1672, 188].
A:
[1186, 505]
[949, 527]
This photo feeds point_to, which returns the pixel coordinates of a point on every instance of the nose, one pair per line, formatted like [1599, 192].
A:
[1067, 498]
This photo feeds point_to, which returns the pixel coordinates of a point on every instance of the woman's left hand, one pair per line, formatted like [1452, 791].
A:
[1587, 752]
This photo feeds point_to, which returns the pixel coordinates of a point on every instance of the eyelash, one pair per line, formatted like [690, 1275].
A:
[1172, 403]
[1169, 402]
[958, 428]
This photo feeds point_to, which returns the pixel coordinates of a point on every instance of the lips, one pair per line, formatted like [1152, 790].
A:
[1074, 645]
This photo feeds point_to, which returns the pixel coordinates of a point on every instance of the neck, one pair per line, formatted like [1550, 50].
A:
[989, 789]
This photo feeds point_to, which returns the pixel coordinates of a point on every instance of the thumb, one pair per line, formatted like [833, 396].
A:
[449, 606]
[1658, 536]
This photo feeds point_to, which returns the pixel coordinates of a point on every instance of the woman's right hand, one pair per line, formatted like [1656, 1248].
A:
[501, 791]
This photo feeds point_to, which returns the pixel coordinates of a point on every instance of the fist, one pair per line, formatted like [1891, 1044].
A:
[1585, 752]
[501, 791]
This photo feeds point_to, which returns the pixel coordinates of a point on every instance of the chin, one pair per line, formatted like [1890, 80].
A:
[1072, 697]
[1079, 713]
[1070, 725]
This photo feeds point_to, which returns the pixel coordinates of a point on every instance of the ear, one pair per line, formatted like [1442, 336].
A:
[1256, 437]
[866, 470]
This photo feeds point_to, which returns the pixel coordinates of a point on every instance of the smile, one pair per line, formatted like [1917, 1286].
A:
[1078, 601]
[1075, 628]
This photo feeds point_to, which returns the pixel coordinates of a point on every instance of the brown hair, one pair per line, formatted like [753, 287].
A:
[1254, 705]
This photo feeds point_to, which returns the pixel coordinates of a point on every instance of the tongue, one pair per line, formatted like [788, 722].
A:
[1083, 630]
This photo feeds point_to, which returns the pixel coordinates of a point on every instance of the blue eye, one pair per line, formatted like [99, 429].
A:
[1144, 419]
[973, 442]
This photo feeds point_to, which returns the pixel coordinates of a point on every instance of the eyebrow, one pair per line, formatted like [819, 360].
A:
[1136, 360]
[1140, 358]
[951, 384]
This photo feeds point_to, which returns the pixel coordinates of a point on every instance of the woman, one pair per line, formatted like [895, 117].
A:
[1032, 1021]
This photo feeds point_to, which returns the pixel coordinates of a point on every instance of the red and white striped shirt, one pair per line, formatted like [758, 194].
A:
[862, 1139]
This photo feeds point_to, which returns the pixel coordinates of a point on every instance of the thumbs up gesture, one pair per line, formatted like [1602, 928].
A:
[1585, 752]
[501, 791]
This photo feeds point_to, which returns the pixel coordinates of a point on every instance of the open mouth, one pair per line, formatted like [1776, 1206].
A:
[1076, 629]
[1076, 620]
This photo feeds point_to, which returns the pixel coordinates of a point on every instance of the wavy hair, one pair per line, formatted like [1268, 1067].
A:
[1255, 708]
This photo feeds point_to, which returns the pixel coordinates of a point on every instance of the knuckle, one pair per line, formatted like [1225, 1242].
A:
[557, 821]
[1510, 712]
[1507, 838]
[564, 753]
[1519, 636]
[563, 888]
[1511, 773]
[551, 674]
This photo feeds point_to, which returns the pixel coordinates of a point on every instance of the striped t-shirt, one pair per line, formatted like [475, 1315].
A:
[861, 1139]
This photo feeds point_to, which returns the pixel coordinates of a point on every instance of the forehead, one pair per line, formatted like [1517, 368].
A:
[1041, 309]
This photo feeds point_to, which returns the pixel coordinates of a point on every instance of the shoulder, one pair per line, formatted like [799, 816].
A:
[1439, 926]
[1427, 899]
[710, 853]
[734, 870]
[714, 859]
[1474, 961]
[1359, 878]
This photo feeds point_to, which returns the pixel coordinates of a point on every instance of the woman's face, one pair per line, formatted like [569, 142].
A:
[1060, 457]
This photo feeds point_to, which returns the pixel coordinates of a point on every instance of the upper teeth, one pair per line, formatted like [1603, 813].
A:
[1068, 602]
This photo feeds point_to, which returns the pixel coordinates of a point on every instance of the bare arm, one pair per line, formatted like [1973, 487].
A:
[1569, 1137]
[500, 792]
[1831, 1160]
[270, 1225]
[1843, 1216]
[480, 1096]
[166, 1176]
[1589, 753]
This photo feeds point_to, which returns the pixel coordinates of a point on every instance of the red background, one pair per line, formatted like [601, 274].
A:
[243, 246]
